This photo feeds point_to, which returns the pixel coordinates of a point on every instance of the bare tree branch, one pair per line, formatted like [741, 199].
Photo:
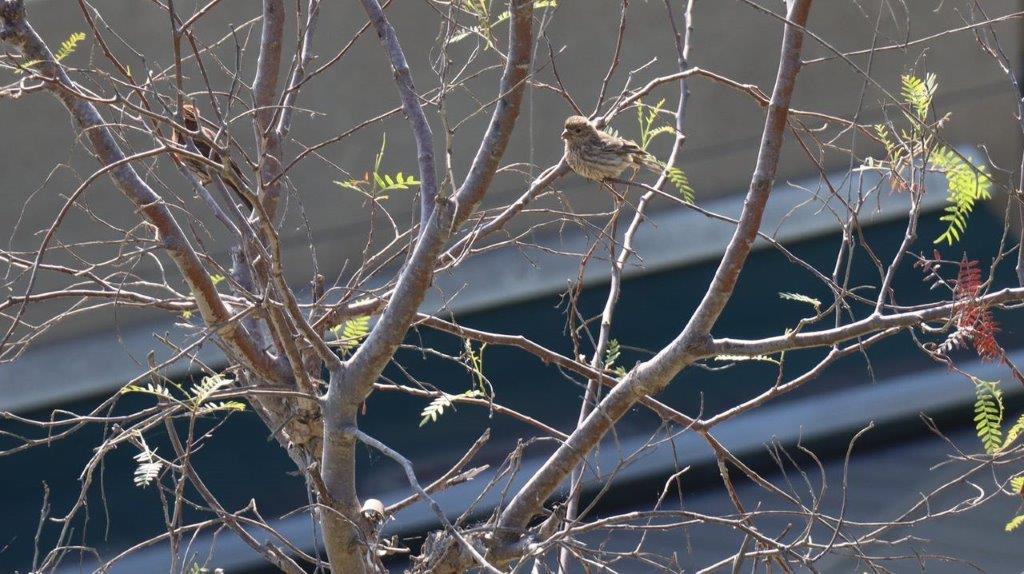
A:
[650, 376]
[17, 31]
[351, 382]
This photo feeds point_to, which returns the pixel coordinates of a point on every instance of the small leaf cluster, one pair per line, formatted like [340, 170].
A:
[375, 184]
[380, 183]
[155, 389]
[801, 298]
[1017, 485]
[436, 408]
[67, 47]
[1016, 490]
[481, 10]
[474, 362]
[647, 116]
[988, 414]
[918, 93]
[149, 465]
[196, 398]
[966, 183]
[681, 183]
[1012, 434]
[611, 356]
[917, 149]
[202, 392]
[974, 323]
[351, 333]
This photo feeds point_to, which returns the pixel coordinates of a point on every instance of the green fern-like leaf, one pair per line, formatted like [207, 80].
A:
[966, 185]
[660, 130]
[476, 7]
[894, 150]
[802, 299]
[480, 10]
[988, 414]
[157, 390]
[67, 47]
[385, 182]
[353, 184]
[437, 406]
[148, 468]
[611, 356]
[376, 184]
[196, 568]
[646, 116]
[1017, 485]
[1013, 433]
[221, 406]
[612, 353]
[1015, 523]
[475, 361]
[885, 136]
[918, 93]
[681, 183]
[915, 147]
[355, 331]
[204, 389]
[537, 4]
[351, 333]
[402, 182]
[464, 33]
[679, 180]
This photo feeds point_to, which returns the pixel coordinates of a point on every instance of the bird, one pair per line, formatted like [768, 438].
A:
[598, 155]
[205, 145]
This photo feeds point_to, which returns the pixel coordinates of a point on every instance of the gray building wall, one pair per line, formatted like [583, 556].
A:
[723, 126]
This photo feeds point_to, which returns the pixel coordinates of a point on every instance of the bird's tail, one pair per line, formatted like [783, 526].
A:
[650, 162]
[674, 174]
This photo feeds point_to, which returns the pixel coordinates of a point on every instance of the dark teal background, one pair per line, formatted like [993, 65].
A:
[239, 463]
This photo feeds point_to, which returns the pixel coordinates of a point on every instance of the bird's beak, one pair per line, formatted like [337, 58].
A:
[565, 134]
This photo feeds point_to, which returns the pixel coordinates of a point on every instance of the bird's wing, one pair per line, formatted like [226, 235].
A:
[622, 146]
[639, 156]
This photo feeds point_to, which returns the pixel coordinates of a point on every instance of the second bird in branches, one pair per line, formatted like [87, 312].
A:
[204, 140]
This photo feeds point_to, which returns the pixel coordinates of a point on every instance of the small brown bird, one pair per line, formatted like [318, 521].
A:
[597, 155]
[204, 143]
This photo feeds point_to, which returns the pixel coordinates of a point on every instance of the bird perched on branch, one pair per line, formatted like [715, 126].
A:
[207, 147]
[598, 155]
